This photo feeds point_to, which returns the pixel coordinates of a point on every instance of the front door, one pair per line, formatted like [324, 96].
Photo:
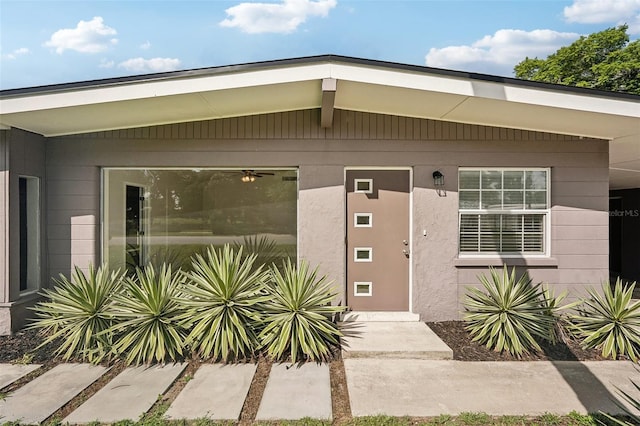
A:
[378, 247]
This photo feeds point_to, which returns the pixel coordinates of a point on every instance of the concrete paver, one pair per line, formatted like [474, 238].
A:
[9, 373]
[128, 396]
[294, 392]
[392, 340]
[216, 392]
[40, 398]
[399, 387]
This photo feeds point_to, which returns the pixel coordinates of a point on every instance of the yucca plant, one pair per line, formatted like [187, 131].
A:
[148, 313]
[225, 292]
[79, 311]
[561, 328]
[633, 402]
[610, 321]
[509, 314]
[299, 314]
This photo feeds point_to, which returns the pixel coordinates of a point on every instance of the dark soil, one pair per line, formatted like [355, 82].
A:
[458, 339]
[22, 347]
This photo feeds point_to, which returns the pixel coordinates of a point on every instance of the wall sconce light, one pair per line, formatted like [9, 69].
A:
[438, 178]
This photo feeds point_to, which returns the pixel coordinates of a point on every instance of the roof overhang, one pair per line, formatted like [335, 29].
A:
[333, 82]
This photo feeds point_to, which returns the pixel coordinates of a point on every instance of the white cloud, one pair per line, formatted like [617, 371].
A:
[285, 17]
[142, 65]
[605, 12]
[499, 53]
[146, 45]
[104, 63]
[18, 52]
[87, 37]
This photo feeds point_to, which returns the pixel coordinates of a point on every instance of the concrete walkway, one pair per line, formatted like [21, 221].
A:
[10, 373]
[389, 375]
[294, 392]
[128, 396]
[34, 402]
[215, 392]
[400, 387]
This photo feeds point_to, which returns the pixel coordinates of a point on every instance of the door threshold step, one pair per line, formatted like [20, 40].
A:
[379, 316]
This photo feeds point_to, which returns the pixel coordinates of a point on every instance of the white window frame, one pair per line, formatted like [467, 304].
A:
[355, 220]
[357, 181]
[524, 211]
[367, 249]
[367, 283]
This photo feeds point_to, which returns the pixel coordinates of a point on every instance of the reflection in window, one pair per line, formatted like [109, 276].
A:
[175, 213]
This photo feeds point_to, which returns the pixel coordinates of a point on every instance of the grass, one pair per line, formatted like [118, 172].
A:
[464, 419]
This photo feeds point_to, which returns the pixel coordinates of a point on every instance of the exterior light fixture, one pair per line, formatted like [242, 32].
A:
[438, 178]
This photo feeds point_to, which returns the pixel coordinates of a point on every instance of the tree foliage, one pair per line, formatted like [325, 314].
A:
[605, 60]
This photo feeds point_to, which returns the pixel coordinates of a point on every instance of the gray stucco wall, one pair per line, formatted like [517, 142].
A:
[579, 173]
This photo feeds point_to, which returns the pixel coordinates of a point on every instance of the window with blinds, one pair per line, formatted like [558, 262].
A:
[503, 211]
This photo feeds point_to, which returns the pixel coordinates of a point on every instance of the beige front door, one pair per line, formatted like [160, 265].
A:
[378, 248]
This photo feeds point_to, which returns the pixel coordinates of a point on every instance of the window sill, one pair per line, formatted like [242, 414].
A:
[462, 262]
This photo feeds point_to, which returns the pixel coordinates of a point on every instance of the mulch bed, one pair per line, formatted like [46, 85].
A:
[458, 339]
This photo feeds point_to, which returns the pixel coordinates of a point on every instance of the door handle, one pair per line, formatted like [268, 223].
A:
[406, 253]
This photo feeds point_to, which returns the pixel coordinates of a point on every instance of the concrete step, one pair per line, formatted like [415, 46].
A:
[380, 316]
[408, 340]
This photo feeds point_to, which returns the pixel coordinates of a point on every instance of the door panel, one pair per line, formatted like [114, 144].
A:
[378, 240]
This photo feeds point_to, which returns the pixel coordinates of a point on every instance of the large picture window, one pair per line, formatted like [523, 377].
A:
[503, 211]
[167, 215]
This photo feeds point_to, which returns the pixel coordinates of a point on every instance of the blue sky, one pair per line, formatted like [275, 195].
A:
[47, 42]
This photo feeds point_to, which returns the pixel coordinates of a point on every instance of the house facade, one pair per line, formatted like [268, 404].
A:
[401, 183]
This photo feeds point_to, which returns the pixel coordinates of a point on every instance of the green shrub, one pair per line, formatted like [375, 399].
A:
[610, 321]
[148, 314]
[299, 314]
[509, 314]
[78, 311]
[225, 295]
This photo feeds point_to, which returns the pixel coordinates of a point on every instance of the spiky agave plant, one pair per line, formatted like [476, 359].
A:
[509, 314]
[79, 312]
[610, 321]
[148, 312]
[299, 313]
[226, 292]
[634, 402]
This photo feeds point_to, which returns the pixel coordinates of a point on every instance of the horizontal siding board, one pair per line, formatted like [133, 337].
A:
[579, 217]
[562, 188]
[592, 203]
[578, 261]
[581, 247]
[580, 232]
[72, 217]
[76, 232]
